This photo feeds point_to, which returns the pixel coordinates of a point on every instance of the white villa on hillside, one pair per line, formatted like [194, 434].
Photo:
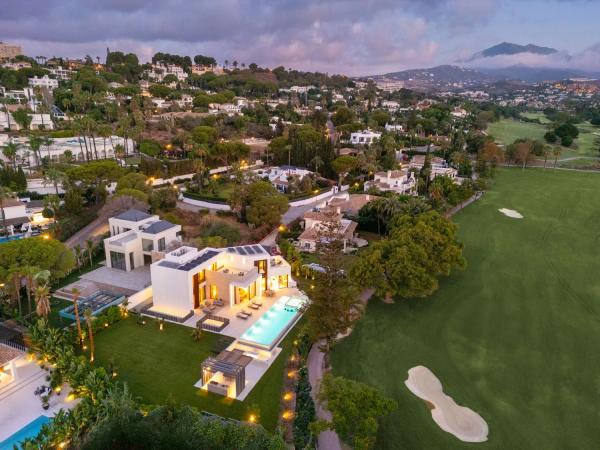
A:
[187, 277]
[138, 239]
[439, 167]
[281, 176]
[364, 137]
[398, 181]
[317, 224]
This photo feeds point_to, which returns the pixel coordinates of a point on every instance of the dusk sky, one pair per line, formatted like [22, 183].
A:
[355, 37]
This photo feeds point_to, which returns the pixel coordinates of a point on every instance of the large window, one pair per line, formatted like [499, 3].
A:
[147, 245]
[117, 260]
[131, 263]
[161, 244]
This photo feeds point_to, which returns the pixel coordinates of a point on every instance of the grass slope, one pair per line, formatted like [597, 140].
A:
[156, 365]
[514, 336]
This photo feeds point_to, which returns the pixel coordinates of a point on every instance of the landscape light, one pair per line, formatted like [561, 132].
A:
[287, 415]
[45, 236]
[252, 418]
[287, 396]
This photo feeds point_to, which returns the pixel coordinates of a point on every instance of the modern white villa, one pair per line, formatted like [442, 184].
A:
[188, 278]
[138, 239]
[398, 181]
[439, 167]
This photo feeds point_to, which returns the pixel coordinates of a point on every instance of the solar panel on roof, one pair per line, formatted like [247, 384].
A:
[240, 250]
[257, 248]
[249, 250]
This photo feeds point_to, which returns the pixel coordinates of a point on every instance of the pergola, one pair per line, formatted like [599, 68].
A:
[231, 364]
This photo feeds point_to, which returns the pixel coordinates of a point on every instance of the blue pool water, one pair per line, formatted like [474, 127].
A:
[14, 237]
[267, 330]
[28, 431]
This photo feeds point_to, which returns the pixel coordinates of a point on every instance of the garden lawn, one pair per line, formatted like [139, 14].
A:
[158, 364]
[514, 336]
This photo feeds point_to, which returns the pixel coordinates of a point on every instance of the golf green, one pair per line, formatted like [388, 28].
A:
[514, 336]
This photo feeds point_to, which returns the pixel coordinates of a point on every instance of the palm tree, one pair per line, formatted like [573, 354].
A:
[42, 301]
[5, 194]
[10, 152]
[42, 293]
[88, 319]
[54, 177]
[78, 255]
[35, 142]
[90, 246]
[556, 153]
[317, 161]
[75, 292]
[29, 272]
[16, 274]
[47, 142]
[197, 334]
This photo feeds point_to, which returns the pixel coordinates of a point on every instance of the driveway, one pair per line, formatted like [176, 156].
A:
[94, 230]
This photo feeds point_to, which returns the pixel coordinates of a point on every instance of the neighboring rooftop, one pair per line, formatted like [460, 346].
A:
[158, 226]
[133, 215]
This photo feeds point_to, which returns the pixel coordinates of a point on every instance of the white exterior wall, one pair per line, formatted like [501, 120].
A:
[12, 212]
[172, 290]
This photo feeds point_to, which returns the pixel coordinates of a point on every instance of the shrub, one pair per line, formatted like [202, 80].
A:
[305, 411]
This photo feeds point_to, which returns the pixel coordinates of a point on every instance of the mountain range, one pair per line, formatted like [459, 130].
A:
[505, 61]
[508, 48]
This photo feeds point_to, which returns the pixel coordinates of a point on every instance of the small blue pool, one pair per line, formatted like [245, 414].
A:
[274, 323]
[30, 430]
[14, 237]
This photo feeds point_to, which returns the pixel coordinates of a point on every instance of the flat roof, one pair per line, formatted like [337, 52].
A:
[158, 227]
[133, 215]
[248, 250]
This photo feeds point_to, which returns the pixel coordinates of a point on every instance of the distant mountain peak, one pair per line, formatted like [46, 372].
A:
[509, 48]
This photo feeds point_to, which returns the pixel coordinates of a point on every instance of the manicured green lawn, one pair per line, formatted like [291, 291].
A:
[514, 336]
[506, 131]
[158, 364]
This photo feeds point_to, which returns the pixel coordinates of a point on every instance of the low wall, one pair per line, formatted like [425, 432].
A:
[206, 204]
[139, 297]
[316, 198]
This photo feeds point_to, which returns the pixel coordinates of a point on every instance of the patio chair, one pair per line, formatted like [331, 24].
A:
[219, 302]
[205, 310]
[243, 316]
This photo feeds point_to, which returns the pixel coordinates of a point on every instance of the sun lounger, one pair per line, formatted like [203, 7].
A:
[242, 315]
[205, 310]
[253, 306]
[248, 313]
[257, 303]
[219, 302]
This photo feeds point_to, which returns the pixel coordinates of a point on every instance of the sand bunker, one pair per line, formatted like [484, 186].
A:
[511, 213]
[464, 423]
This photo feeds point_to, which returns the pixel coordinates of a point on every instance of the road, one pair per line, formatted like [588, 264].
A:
[94, 230]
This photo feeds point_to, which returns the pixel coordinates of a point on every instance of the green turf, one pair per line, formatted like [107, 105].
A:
[506, 131]
[514, 336]
[158, 364]
[537, 115]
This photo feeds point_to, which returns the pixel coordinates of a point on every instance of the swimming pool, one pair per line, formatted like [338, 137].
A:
[97, 302]
[28, 431]
[14, 237]
[274, 323]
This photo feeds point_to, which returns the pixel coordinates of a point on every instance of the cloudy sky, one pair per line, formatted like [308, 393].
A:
[355, 37]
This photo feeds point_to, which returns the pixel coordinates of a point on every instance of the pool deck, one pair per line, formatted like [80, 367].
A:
[238, 326]
[19, 405]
